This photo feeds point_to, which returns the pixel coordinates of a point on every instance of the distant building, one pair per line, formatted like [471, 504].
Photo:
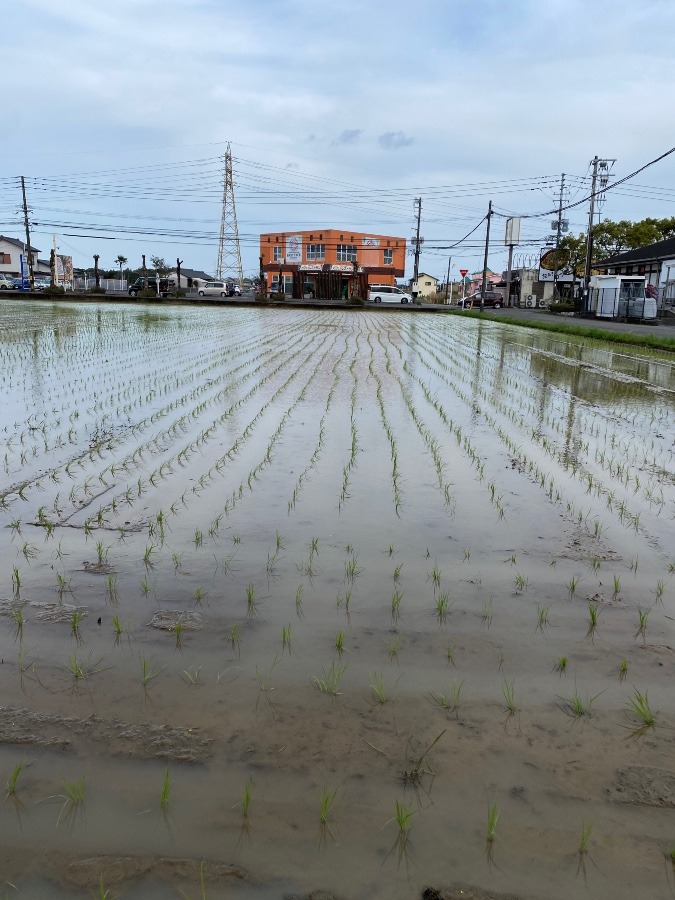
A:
[330, 262]
[425, 286]
[190, 279]
[656, 262]
[11, 251]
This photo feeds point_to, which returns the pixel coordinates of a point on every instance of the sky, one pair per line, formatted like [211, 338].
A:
[338, 115]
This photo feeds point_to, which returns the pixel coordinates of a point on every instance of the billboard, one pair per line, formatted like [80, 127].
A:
[294, 248]
[512, 235]
[64, 269]
[550, 260]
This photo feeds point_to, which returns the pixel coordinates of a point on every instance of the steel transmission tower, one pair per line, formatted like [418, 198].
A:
[229, 252]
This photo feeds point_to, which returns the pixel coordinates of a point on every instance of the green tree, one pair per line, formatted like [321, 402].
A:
[159, 266]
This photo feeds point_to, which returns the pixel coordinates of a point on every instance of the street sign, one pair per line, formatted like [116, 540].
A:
[463, 272]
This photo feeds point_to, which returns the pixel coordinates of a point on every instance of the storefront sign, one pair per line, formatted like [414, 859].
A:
[294, 248]
[371, 242]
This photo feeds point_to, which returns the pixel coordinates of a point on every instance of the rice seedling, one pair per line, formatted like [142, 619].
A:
[396, 599]
[575, 707]
[75, 620]
[659, 591]
[145, 587]
[192, 676]
[286, 641]
[379, 691]
[16, 615]
[634, 565]
[73, 801]
[165, 790]
[403, 816]
[638, 707]
[391, 550]
[617, 587]
[246, 798]
[198, 538]
[111, 595]
[326, 800]
[486, 614]
[397, 572]
[521, 582]
[264, 682]
[585, 836]
[340, 643]
[330, 683]
[352, 570]
[593, 612]
[560, 665]
[435, 577]
[16, 582]
[393, 647]
[467, 554]
[251, 603]
[623, 670]
[441, 607]
[236, 539]
[29, 551]
[492, 820]
[149, 671]
[177, 629]
[572, 585]
[642, 623]
[12, 781]
[596, 563]
[542, 617]
[279, 542]
[235, 638]
[509, 693]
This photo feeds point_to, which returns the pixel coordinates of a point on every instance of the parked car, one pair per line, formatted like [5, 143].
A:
[21, 284]
[6, 282]
[40, 284]
[150, 284]
[233, 289]
[214, 289]
[492, 298]
[388, 293]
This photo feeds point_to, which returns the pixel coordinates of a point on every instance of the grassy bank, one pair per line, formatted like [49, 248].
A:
[655, 342]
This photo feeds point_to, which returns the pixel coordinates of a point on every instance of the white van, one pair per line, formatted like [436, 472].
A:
[388, 293]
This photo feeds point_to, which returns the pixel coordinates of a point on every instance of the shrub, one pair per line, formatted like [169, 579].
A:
[54, 291]
[97, 290]
[561, 307]
[147, 294]
[355, 301]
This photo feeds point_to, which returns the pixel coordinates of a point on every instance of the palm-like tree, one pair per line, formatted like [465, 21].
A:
[121, 261]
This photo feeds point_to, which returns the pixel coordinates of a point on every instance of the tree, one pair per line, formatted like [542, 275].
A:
[121, 261]
[159, 266]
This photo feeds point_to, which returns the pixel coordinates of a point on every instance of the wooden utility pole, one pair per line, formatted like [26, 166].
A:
[485, 258]
[418, 201]
[447, 281]
[31, 277]
[97, 276]
[179, 263]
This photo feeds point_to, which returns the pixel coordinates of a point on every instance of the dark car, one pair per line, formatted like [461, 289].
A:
[492, 298]
[150, 284]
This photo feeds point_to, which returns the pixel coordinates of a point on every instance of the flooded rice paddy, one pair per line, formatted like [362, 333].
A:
[339, 601]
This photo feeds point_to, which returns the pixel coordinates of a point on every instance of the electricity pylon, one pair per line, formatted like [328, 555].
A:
[229, 252]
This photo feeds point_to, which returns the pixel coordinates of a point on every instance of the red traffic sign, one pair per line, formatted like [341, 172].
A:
[463, 272]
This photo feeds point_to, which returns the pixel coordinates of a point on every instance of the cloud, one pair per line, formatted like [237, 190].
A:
[349, 136]
[394, 140]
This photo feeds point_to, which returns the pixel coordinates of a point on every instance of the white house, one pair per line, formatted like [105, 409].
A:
[11, 251]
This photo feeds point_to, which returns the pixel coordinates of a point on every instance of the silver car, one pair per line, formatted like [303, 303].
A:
[213, 289]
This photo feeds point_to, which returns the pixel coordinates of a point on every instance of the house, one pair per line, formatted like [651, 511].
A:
[190, 279]
[475, 282]
[11, 251]
[330, 262]
[425, 286]
[656, 263]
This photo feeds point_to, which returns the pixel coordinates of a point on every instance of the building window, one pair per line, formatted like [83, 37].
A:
[278, 254]
[388, 257]
[346, 252]
[316, 251]
[5, 259]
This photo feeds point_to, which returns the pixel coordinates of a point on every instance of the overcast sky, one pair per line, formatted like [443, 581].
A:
[338, 115]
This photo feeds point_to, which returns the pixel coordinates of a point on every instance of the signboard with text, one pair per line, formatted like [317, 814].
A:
[294, 248]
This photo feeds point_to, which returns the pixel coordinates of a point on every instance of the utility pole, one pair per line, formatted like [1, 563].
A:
[485, 258]
[447, 280]
[179, 263]
[263, 285]
[418, 201]
[557, 238]
[31, 277]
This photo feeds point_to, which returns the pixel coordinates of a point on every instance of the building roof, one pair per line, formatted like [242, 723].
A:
[194, 273]
[17, 243]
[657, 251]
[426, 275]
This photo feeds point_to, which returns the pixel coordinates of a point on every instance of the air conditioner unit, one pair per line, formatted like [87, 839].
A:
[530, 301]
[542, 304]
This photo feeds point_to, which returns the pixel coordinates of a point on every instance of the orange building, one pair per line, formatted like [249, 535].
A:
[330, 262]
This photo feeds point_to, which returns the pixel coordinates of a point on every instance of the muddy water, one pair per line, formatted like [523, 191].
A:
[442, 498]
